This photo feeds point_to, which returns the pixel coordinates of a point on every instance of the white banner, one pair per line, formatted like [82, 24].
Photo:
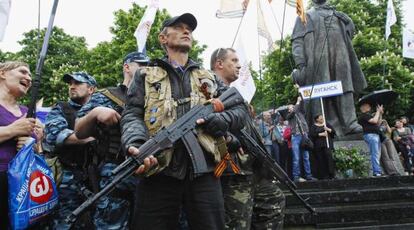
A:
[408, 43]
[245, 83]
[327, 89]
[144, 26]
[4, 16]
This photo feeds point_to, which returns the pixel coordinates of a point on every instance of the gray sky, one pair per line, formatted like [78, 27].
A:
[92, 19]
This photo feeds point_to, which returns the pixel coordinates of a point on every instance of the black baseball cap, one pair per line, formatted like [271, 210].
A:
[136, 57]
[186, 18]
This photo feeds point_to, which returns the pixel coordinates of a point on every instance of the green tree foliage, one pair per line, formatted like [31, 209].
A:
[2, 56]
[65, 54]
[372, 49]
[106, 58]
[276, 87]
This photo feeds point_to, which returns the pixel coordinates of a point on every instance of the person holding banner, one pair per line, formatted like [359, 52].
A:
[15, 81]
[323, 52]
[322, 150]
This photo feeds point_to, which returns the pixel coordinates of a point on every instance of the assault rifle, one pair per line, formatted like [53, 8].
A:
[262, 156]
[184, 128]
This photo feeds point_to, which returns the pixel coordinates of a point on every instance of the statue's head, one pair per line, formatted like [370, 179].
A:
[319, 2]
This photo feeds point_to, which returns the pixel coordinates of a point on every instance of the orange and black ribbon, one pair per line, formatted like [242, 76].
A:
[223, 165]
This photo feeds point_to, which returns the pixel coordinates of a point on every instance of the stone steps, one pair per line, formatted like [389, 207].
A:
[363, 203]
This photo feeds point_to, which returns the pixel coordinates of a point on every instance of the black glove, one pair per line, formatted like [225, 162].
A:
[233, 143]
[215, 125]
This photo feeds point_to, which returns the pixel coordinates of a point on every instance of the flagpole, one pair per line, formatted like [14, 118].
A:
[238, 29]
[384, 67]
[38, 30]
[260, 70]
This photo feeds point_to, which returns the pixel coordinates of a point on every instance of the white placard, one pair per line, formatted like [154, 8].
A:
[327, 89]
[408, 44]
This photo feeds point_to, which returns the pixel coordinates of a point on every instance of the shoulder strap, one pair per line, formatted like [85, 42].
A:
[69, 113]
[299, 125]
[112, 95]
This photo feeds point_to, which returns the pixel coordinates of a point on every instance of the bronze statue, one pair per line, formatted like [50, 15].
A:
[323, 52]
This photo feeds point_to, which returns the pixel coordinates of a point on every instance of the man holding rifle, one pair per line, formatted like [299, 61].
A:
[158, 96]
[251, 198]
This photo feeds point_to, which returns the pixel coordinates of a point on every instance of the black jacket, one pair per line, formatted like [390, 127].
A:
[134, 130]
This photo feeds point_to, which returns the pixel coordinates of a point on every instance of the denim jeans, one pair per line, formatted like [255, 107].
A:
[374, 145]
[297, 155]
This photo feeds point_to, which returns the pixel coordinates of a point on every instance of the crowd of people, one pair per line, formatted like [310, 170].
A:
[385, 142]
[284, 135]
[390, 147]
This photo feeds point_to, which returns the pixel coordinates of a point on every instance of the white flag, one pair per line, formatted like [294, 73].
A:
[4, 16]
[391, 19]
[408, 44]
[248, 32]
[245, 83]
[266, 24]
[232, 8]
[144, 26]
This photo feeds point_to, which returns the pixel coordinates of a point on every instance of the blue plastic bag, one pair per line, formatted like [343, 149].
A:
[32, 189]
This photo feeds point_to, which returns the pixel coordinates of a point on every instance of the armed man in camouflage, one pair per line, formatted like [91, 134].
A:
[159, 95]
[100, 118]
[63, 147]
[252, 200]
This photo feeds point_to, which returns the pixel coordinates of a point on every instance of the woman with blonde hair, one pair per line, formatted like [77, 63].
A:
[15, 81]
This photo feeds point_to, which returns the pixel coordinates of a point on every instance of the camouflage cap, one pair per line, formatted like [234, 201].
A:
[80, 77]
[136, 57]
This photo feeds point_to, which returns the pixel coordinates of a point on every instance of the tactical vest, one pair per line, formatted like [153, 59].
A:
[161, 108]
[72, 156]
[109, 138]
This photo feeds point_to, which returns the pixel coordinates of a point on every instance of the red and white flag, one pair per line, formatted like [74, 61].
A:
[144, 26]
[4, 16]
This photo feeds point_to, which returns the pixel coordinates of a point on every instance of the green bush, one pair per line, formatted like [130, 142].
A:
[351, 158]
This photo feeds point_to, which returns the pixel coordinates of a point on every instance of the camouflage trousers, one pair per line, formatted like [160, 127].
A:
[70, 198]
[269, 204]
[114, 212]
[238, 201]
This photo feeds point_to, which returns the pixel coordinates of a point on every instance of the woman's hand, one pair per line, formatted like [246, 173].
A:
[21, 141]
[38, 130]
[23, 127]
